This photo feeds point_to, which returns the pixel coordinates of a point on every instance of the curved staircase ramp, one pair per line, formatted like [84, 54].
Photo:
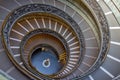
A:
[85, 33]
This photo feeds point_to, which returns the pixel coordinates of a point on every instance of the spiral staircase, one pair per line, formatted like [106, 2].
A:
[59, 40]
